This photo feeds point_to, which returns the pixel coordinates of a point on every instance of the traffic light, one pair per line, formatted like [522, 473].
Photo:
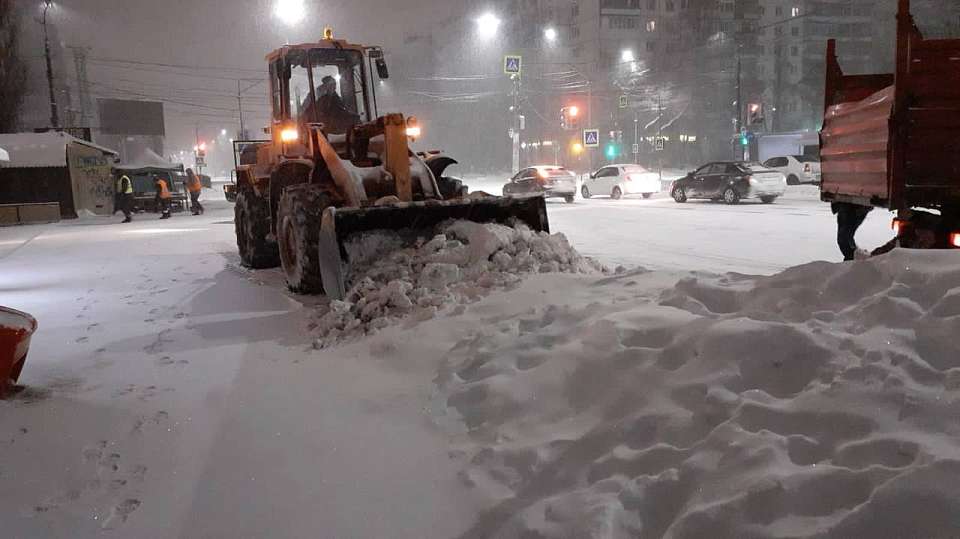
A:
[570, 117]
[612, 150]
[744, 140]
[754, 114]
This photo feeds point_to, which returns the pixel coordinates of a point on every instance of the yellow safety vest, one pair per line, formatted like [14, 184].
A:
[124, 185]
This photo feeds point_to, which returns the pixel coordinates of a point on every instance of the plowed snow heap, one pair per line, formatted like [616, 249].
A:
[460, 264]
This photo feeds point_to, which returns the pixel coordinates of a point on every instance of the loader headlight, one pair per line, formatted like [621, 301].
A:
[290, 134]
[413, 128]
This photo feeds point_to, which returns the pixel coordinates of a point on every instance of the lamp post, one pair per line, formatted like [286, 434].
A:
[290, 12]
[487, 26]
[54, 114]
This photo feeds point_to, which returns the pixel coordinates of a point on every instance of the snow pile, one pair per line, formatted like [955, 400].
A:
[819, 402]
[460, 264]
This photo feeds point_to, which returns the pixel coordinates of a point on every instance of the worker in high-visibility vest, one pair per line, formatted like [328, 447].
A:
[163, 196]
[194, 187]
[124, 198]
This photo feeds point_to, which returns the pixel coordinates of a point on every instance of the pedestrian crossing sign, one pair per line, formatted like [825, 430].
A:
[512, 65]
[591, 138]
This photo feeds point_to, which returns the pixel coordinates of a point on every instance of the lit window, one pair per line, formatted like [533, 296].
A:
[651, 26]
[795, 12]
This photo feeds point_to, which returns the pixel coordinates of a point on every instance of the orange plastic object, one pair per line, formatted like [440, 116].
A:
[16, 328]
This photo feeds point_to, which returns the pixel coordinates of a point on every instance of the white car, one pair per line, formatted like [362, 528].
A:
[616, 181]
[797, 168]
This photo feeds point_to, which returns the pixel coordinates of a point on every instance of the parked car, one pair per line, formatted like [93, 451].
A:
[731, 182]
[550, 181]
[797, 168]
[621, 180]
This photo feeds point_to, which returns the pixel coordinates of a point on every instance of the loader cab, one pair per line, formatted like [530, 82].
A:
[323, 82]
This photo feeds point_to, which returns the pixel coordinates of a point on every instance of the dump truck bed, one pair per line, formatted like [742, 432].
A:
[894, 140]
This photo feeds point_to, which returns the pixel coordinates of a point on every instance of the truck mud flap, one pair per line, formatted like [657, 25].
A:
[339, 224]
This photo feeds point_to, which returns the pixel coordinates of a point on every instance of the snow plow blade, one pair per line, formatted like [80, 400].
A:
[338, 224]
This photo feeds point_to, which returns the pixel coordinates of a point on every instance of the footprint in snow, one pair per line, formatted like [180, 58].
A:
[120, 513]
[82, 340]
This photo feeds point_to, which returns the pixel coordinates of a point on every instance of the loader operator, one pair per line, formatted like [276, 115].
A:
[330, 109]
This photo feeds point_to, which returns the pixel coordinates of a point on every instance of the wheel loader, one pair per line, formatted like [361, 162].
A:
[333, 167]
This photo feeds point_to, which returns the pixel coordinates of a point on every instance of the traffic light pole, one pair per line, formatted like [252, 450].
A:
[739, 124]
[516, 124]
[589, 123]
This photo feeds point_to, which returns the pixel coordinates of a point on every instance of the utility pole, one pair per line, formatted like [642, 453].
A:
[242, 134]
[83, 83]
[54, 114]
[636, 137]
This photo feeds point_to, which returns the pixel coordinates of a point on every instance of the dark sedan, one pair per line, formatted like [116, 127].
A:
[731, 182]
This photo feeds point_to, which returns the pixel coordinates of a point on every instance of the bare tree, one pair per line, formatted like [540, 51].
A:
[12, 68]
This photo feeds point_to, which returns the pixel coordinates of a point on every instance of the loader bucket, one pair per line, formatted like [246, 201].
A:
[338, 224]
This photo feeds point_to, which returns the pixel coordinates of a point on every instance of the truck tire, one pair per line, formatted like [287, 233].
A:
[298, 233]
[252, 226]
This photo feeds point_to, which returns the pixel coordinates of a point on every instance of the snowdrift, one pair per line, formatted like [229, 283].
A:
[462, 262]
[819, 402]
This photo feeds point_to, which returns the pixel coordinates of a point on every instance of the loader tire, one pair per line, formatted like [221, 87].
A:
[451, 188]
[252, 226]
[298, 233]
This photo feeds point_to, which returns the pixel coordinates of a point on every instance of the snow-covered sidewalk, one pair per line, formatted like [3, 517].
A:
[172, 393]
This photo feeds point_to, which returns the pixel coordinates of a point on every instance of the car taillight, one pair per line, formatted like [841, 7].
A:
[955, 240]
[806, 168]
[750, 179]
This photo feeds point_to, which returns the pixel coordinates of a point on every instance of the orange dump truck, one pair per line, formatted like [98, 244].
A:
[893, 140]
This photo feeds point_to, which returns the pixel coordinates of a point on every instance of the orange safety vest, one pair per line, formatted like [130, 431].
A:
[164, 190]
[193, 183]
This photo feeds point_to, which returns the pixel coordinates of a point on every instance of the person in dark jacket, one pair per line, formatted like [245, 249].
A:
[330, 109]
[849, 219]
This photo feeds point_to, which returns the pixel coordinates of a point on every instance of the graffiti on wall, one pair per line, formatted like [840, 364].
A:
[90, 172]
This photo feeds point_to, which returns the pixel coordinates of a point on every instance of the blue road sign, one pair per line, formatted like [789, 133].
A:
[591, 138]
[512, 65]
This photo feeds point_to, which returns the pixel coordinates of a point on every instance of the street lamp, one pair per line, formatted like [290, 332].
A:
[223, 132]
[290, 12]
[551, 34]
[487, 25]
[627, 56]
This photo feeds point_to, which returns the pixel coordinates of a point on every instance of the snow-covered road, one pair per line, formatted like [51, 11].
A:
[751, 237]
[171, 393]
